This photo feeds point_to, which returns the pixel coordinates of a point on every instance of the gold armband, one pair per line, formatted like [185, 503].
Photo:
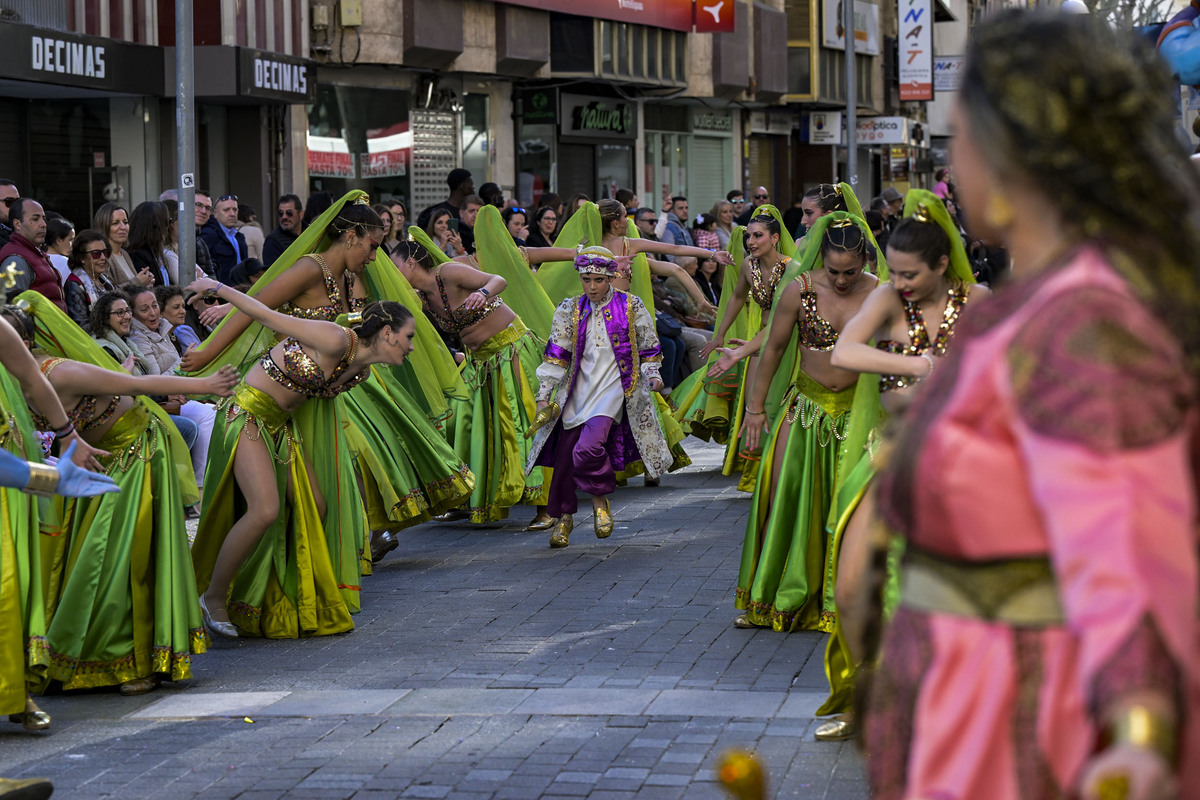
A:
[43, 480]
[1140, 727]
[525, 255]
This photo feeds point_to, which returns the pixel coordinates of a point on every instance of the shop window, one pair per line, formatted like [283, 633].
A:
[475, 140]
[360, 137]
[799, 70]
[572, 44]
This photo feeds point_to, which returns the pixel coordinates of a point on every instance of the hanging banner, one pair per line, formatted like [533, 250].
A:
[916, 50]
[947, 73]
[866, 27]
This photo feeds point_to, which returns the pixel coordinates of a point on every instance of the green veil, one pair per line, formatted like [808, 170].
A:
[867, 412]
[559, 278]
[497, 253]
[432, 363]
[925, 204]
[58, 335]
[810, 260]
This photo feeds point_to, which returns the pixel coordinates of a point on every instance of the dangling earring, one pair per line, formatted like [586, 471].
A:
[999, 212]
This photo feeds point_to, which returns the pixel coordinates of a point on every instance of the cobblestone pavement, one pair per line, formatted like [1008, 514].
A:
[486, 665]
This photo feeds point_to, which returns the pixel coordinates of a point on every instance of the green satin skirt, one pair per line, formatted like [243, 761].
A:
[23, 653]
[410, 472]
[488, 429]
[714, 408]
[786, 576]
[287, 587]
[119, 582]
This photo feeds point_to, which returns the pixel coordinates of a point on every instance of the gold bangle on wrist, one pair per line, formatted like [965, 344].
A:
[1141, 727]
[43, 480]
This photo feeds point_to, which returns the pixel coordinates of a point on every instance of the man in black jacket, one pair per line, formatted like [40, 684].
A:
[287, 231]
[8, 196]
[226, 244]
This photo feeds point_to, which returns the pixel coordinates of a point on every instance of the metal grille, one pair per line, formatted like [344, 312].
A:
[42, 13]
[435, 153]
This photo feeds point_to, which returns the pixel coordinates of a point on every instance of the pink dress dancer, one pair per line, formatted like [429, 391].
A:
[1047, 493]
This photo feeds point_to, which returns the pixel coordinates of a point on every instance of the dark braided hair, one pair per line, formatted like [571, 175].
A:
[1084, 113]
[21, 322]
[926, 240]
[356, 217]
[844, 237]
[827, 197]
[380, 315]
[416, 251]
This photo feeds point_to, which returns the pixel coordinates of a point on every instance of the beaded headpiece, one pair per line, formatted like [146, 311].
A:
[842, 226]
[596, 261]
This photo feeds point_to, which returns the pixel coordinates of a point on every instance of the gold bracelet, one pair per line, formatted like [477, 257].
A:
[43, 480]
[1141, 727]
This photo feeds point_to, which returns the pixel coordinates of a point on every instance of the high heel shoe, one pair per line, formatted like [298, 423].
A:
[32, 718]
[220, 628]
[603, 521]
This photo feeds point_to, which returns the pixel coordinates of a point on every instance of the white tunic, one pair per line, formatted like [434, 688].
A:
[597, 391]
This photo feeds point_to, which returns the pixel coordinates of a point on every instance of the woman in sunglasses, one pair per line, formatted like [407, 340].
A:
[89, 275]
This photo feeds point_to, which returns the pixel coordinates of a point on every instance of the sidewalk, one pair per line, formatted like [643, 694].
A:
[486, 665]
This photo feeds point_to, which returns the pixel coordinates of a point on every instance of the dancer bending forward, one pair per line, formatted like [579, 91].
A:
[595, 409]
[264, 567]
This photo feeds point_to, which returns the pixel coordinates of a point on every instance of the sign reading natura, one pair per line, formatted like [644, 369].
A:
[597, 117]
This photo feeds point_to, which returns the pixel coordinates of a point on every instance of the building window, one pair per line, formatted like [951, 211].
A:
[800, 70]
[572, 44]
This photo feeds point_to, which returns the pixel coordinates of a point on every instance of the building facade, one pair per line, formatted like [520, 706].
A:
[88, 107]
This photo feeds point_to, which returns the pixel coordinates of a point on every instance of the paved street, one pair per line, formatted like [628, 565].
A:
[486, 665]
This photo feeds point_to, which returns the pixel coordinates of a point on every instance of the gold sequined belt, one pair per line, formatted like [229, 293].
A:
[1019, 592]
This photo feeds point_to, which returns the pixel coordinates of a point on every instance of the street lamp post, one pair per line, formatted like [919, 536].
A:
[185, 137]
[851, 96]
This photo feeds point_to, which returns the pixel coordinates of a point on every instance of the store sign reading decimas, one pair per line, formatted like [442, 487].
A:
[916, 50]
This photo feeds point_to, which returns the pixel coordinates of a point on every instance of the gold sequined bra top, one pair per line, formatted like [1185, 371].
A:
[336, 306]
[460, 319]
[918, 335]
[83, 416]
[815, 331]
[763, 290]
[299, 373]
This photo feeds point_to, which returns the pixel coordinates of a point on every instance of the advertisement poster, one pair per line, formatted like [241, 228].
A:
[916, 50]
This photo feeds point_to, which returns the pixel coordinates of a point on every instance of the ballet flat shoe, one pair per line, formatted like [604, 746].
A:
[27, 789]
[542, 522]
[31, 719]
[743, 621]
[562, 531]
[603, 521]
[219, 628]
[382, 544]
[138, 686]
[837, 730]
[453, 515]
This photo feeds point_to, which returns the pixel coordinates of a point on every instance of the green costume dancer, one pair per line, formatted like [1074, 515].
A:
[361, 428]
[757, 278]
[118, 578]
[927, 229]
[489, 425]
[785, 581]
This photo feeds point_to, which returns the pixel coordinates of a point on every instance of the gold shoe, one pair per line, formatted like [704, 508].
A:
[843, 727]
[139, 686]
[562, 532]
[743, 621]
[452, 515]
[27, 789]
[603, 521]
[541, 522]
[32, 718]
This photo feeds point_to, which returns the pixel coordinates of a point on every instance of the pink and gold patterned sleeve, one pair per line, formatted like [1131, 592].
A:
[1101, 404]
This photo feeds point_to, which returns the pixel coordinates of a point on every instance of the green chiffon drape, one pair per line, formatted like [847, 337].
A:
[121, 593]
[288, 586]
[23, 654]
